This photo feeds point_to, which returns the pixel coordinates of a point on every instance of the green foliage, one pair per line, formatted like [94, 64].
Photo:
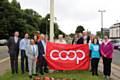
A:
[99, 34]
[13, 18]
[79, 29]
[45, 26]
[15, 4]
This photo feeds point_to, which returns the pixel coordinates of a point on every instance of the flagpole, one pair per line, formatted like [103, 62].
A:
[51, 20]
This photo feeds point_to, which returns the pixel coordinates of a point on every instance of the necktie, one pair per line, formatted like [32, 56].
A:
[33, 51]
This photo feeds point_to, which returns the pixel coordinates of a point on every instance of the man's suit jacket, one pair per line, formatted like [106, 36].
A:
[80, 40]
[12, 46]
[40, 49]
[29, 52]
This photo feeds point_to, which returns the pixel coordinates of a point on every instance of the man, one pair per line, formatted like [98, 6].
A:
[41, 56]
[32, 54]
[13, 49]
[86, 38]
[23, 44]
[80, 38]
[60, 39]
[75, 38]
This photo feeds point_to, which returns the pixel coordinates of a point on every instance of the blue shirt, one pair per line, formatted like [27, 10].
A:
[44, 44]
[95, 50]
[34, 50]
[23, 44]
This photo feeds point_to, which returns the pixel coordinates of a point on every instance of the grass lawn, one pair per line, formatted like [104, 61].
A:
[76, 75]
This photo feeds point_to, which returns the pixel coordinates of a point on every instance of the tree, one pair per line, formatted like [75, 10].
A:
[15, 4]
[98, 33]
[79, 29]
[45, 26]
[13, 18]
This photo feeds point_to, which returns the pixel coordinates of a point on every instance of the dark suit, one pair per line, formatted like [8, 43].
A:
[41, 59]
[80, 40]
[13, 51]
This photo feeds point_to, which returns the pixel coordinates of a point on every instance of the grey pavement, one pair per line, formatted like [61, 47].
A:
[3, 52]
[116, 57]
[115, 71]
[4, 67]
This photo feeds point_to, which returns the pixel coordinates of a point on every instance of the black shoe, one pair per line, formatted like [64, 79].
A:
[13, 72]
[96, 74]
[35, 75]
[16, 72]
[46, 71]
[27, 70]
[93, 73]
[41, 73]
[30, 76]
[60, 70]
[91, 70]
[22, 72]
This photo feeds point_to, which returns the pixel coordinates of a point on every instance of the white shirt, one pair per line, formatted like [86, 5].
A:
[61, 41]
[44, 45]
[16, 39]
[33, 47]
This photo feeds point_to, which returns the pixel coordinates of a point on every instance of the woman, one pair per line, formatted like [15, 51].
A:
[95, 56]
[106, 51]
[32, 53]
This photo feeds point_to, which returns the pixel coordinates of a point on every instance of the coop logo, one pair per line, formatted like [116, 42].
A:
[75, 57]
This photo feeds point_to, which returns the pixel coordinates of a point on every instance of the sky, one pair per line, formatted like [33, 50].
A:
[71, 13]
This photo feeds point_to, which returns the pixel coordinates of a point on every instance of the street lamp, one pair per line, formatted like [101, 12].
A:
[101, 11]
[51, 20]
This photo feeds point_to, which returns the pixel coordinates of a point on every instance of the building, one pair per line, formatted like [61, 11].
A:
[106, 31]
[115, 31]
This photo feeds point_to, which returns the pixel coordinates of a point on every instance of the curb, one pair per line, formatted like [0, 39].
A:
[5, 59]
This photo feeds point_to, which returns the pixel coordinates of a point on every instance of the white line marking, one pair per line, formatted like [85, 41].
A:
[5, 59]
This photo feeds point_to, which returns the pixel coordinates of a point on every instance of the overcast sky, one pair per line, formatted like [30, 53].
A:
[71, 13]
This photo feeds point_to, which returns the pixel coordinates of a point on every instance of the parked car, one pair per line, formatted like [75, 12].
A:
[116, 43]
[3, 42]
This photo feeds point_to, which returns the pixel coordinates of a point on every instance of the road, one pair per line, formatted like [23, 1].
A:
[116, 57]
[4, 60]
[3, 52]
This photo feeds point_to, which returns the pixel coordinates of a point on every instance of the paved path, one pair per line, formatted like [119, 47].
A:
[4, 66]
[115, 75]
[116, 57]
[3, 52]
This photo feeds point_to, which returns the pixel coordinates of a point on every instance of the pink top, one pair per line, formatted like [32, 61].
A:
[106, 49]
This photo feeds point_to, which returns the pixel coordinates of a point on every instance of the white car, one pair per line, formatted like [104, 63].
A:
[116, 43]
[3, 41]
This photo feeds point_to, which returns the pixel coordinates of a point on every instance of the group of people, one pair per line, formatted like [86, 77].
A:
[32, 53]
[98, 49]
